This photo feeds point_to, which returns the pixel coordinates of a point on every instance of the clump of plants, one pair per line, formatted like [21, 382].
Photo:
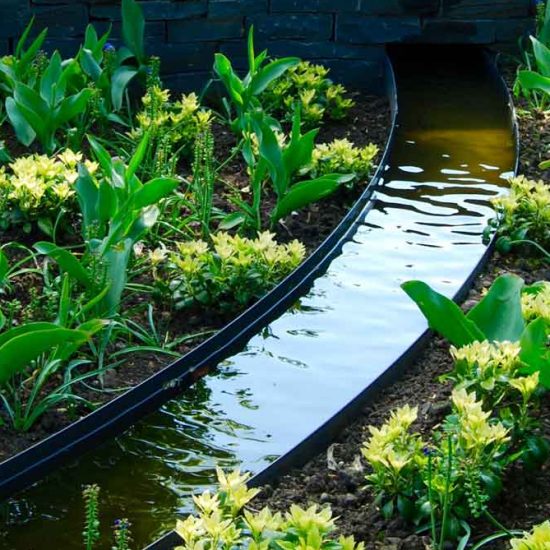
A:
[224, 521]
[341, 155]
[229, 274]
[502, 364]
[92, 526]
[537, 539]
[523, 216]
[309, 86]
[37, 188]
[172, 126]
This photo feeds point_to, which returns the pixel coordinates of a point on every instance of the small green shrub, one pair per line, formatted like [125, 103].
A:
[228, 275]
[341, 156]
[308, 85]
[224, 522]
[537, 539]
[173, 127]
[524, 214]
[36, 187]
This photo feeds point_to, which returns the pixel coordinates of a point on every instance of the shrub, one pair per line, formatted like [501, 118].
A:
[308, 85]
[228, 275]
[173, 127]
[223, 522]
[36, 187]
[343, 157]
[525, 213]
[537, 539]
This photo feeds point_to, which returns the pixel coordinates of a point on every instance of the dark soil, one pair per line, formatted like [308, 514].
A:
[368, 122]
[337, 475]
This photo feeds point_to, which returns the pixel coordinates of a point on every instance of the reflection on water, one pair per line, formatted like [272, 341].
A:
[453, 149]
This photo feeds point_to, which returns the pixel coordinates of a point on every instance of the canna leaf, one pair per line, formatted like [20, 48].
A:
[498, 315]
[270, 73]
[20, 346]
[531, 80]
[119, 82]
[133, 29]
[303, 193]
[67, 262]
[443, 315]
[23, 130]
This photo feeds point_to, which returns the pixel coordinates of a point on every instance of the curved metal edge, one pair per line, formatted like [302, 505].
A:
[332, 428]
[25, 468]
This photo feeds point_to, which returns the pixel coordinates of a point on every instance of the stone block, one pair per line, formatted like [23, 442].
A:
[399, 7]
[323, 6]
[452, 31]
[305, 26]
[205, 29]
[362, 29]
[154, 10]
[485, 9]
[230, 8]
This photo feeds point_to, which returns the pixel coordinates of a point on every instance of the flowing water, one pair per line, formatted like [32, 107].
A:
[454, 148]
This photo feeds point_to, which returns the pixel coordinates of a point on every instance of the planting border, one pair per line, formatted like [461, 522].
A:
[23, 469]
[329, 430]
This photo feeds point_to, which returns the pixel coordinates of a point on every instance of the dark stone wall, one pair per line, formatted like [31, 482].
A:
[347, 35]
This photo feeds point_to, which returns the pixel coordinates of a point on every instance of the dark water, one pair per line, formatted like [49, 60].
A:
[453, 149]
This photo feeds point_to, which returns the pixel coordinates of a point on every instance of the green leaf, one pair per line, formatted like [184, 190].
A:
[119, 82]
[66, 260]
[498, 315]
[72, 106]
[542, 56]
[23, 130]
[88, 197]
[535, 352]
[531, 80]
[89, 65]
[117, 258]
[133, 29]
[4, 268]
[153, 191]
[18, 350]
[443, 315]
[138, 156]
[270, 73]
[50, 80]
[306, 192]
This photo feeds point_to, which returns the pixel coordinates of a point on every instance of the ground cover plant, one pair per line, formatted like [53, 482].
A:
[135, 221]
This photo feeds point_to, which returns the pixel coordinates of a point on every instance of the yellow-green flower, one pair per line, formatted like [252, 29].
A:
[537, 539]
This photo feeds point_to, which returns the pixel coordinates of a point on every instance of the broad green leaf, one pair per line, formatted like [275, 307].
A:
[121, 78]
[23, 130]
[27, 97]
[89, 65]
[535, 352]
[89, 328]
[133, 29]
[4, 267]
[542, 56]
[117, 266]
[306, 192]
[498, 315]
[443, 315]
[67, 262]
[138, 156]
[270, 73]
[88, 196]
[153, 191]
[50, 79]
[27, 58]
[18, 351]
[146, 220]
[531, 80]
[72, 106]
[101, 155]
[250, 49]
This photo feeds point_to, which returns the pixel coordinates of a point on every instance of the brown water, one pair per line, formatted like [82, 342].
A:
[453, 149]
